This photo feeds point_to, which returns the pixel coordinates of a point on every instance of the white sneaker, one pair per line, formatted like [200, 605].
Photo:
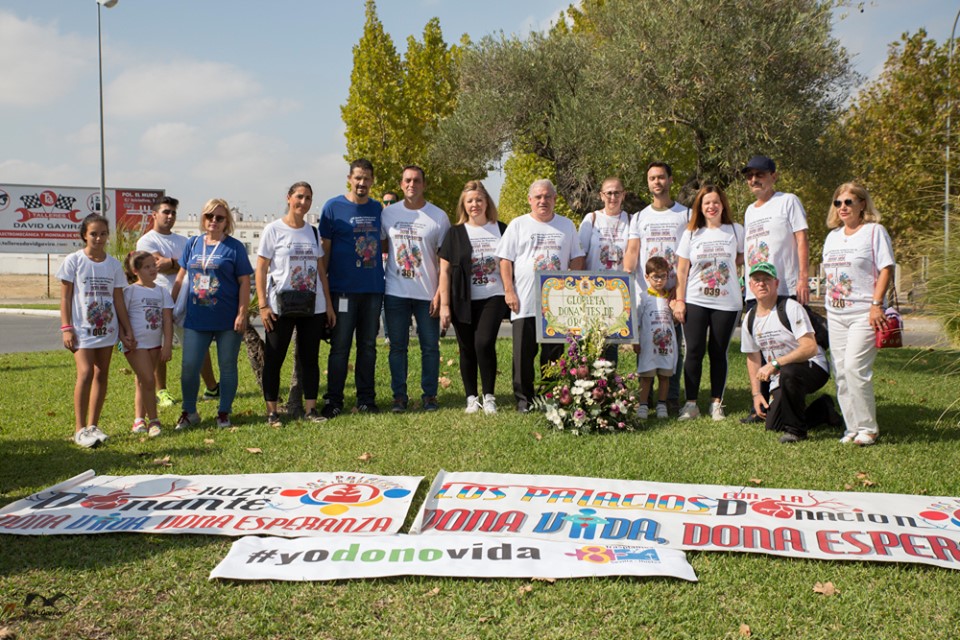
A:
[662, 411]
[97, 433]
[848, 438]
[643, 412]
[154, 429]
[716, 412]
[865, 439]
[489, 404]
[689, 411]
[139, 426]
[473, 405]
[86, 438]
[186, 420]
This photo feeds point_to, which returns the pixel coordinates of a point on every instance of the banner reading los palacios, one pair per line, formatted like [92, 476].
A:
[457, 556]
[46, 219]
[783, 522]
[278, 504]
[572, 301]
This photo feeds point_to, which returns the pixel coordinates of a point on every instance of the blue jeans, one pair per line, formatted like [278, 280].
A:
[195, 347]
[362, 316]
[399, 310]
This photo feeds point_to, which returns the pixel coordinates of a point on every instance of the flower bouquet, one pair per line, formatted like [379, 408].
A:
[584, 392]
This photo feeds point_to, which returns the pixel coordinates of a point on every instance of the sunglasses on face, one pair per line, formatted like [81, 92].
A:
[218, 219]
[848, 202]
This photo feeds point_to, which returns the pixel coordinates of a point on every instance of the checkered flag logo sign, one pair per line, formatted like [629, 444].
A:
[65, 202]
[31, 201]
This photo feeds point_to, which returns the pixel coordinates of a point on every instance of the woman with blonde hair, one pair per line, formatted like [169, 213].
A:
[858, 262]
[216, 271]
[471, 292]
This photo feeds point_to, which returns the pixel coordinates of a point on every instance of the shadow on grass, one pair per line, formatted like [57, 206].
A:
[922, 361]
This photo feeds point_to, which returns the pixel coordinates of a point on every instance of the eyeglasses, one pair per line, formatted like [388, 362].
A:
[657, 276]
[848, 202]
[218, 219]
[385, 201]
[611, 194]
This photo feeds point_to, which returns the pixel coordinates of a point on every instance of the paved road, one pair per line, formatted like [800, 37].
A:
[39, 332]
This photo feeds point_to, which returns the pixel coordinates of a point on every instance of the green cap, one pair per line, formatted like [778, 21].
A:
[764, 267]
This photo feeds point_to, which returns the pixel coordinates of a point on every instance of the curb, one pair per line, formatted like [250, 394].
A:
[49, 313]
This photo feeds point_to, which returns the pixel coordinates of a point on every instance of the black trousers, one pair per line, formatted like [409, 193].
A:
[788, 402]
[524, 350]
[707, 331]
[478, 344]
[308, 348]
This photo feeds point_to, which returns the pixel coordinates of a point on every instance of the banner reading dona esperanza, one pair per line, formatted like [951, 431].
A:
[784, 522]
[278, 504]
[458, 556]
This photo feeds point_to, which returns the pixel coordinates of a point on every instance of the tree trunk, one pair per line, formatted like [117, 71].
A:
[294, 406]
[254, 353]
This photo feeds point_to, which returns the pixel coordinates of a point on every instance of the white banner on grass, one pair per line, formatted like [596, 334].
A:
[784, 522]
[457, 556]
[278, 504]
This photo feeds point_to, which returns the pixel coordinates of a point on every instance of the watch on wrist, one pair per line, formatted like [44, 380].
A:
[877, 303]
[775, 364]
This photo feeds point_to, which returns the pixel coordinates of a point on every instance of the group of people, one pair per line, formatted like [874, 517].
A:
[408, 262]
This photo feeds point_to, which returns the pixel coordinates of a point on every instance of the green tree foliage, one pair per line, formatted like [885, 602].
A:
[394, 106]
[896, 134]
[703, 84]
[520, 170]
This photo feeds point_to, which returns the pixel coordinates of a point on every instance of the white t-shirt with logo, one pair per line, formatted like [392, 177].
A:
[774, 340]
[603, 239]
[851, 265]
[659, 232]
[712, 281]
[770, 232]
[532, 245]
[658, 341]
[485, 279]
[93, 314]
[293, 255]
[414, 236]
[145, 307]
[169, 246]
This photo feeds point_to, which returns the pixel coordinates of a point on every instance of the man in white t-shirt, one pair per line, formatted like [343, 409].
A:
[412, 231]
[166, 246]
[795, 367]
[540, 240]
[656, 231]
[776, 232]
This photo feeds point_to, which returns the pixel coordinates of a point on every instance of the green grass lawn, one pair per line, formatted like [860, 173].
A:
[155, 586]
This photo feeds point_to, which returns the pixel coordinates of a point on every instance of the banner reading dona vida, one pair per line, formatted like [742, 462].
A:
[456, 556]
[783, 522]
[571, 301]
[278, 504]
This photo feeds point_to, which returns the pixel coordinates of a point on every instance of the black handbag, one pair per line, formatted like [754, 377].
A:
[296, 304]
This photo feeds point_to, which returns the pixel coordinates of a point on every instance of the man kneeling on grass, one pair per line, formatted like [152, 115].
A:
[795, 364]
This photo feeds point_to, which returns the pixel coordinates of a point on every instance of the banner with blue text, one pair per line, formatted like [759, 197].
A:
[455, 556]
[785, 522]
[276, 504]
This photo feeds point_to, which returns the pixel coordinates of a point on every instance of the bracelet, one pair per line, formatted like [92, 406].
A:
[757, 394]
[66, 327]
[266, 307]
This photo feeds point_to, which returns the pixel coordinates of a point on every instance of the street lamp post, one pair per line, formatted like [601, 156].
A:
[103, 172]
[946, 171]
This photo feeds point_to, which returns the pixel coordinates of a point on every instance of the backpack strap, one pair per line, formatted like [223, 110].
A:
[782, 312]
[751, 316]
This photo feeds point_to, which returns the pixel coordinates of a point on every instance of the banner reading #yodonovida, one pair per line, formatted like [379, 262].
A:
[572, 301]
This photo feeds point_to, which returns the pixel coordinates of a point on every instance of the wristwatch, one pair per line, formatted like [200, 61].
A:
[877, 303]
[775, 364]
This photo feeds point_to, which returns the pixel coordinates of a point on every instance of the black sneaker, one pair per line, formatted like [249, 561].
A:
[789, 438]
[399, 405]
[273, 420]
[430, 403]
[212, 394]
[523, 407]
[368, 408]
[751, 419]
[313, 416]
[331, 411]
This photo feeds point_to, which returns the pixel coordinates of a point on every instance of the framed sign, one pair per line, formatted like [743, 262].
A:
[571, 301]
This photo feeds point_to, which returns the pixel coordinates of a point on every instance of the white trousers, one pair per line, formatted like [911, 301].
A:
[853, 350]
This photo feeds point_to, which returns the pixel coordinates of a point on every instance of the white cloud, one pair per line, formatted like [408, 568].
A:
[26, 172]
[168, 140]
[163, 90]
[250, 111]
[39, 63]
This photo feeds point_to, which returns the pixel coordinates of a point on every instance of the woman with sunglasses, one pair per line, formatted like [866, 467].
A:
[858, 263]
[216, 271]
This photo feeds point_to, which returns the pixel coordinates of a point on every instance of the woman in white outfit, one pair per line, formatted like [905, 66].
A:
[858, 263]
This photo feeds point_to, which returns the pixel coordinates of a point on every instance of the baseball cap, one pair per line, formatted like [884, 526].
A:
[764, 267]
[760, 163]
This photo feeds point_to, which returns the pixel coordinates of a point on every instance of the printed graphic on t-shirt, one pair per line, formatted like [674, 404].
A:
[714, 275]
[611, 256]
[668, 253]
[153, 316]
[839, 286]
[663, 341]
[367, 248]
[205, 288]
[546, 262]
[99, 317]
[483, 268]
[409, 258]
[758, 252]
[304, 278]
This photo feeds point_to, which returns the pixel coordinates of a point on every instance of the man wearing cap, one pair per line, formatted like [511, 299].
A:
[776, 232]
[795, 364]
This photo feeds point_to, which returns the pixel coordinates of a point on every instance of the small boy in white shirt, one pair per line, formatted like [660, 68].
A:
[657, 348]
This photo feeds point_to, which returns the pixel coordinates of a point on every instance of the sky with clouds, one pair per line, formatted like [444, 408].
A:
[238, 99]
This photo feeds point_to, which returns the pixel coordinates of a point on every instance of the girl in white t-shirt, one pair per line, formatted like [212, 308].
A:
[859, 264]
[93, 317]
[708, 295]
[150, 308]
